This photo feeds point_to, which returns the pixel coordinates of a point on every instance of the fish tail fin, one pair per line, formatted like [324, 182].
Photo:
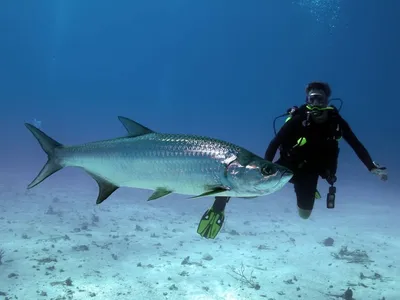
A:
[49, 146]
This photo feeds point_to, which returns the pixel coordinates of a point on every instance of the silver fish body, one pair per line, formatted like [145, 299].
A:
[166, 163]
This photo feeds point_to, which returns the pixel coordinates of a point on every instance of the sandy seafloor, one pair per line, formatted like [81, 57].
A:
[128, 248]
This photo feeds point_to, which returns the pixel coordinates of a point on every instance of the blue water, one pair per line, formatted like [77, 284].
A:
[224, 69]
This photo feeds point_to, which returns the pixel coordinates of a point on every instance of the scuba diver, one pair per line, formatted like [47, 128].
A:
[309, 146]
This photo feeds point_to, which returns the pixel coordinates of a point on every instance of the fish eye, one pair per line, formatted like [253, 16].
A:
[267, 170]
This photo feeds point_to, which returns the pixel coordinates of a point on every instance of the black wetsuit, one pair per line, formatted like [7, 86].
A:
[318, 156]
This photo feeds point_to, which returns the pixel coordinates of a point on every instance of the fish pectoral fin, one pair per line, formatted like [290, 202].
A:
[214, 191]
[158, 193]
[106, 188]
[134, 128]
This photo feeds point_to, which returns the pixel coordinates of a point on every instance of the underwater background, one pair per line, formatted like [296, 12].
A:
[223, 69]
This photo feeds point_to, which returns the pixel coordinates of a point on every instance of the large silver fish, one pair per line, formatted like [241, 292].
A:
[166, 163]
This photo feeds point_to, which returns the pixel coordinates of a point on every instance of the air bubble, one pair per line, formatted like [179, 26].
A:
[324, 11]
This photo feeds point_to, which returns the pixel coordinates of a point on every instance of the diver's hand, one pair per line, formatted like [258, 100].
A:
[331, 179]
[379, 171]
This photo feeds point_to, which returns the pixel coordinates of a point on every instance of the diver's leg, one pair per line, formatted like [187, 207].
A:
[305, 187]
[220, 203]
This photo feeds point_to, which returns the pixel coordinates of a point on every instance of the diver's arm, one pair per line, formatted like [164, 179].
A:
[272, 148]
[356, 145]
[283, 134]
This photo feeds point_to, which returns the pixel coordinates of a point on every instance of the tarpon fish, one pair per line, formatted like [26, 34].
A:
[165, 163]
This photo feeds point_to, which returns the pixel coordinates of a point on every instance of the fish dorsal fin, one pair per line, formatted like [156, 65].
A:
[134, 128]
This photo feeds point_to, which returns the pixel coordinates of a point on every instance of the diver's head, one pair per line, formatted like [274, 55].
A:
[257, 178]
[317, 94]
[317, 99]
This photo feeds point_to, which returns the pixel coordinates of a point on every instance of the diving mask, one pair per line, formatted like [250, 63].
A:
[317, 98]
[317, 105]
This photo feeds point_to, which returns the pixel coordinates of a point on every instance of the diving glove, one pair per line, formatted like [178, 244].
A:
[331, 179]
[379, 171]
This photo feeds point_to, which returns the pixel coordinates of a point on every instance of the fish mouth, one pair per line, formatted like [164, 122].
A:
[282, 177]
[286, 176]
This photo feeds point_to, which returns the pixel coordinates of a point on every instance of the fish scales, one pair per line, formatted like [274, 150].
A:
[180, 162]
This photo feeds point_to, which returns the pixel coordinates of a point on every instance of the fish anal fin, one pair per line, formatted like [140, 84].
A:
[106, 188]
[159, 193]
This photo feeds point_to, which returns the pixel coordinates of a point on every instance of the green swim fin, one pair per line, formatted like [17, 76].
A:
[211, 223]
[317, 195]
